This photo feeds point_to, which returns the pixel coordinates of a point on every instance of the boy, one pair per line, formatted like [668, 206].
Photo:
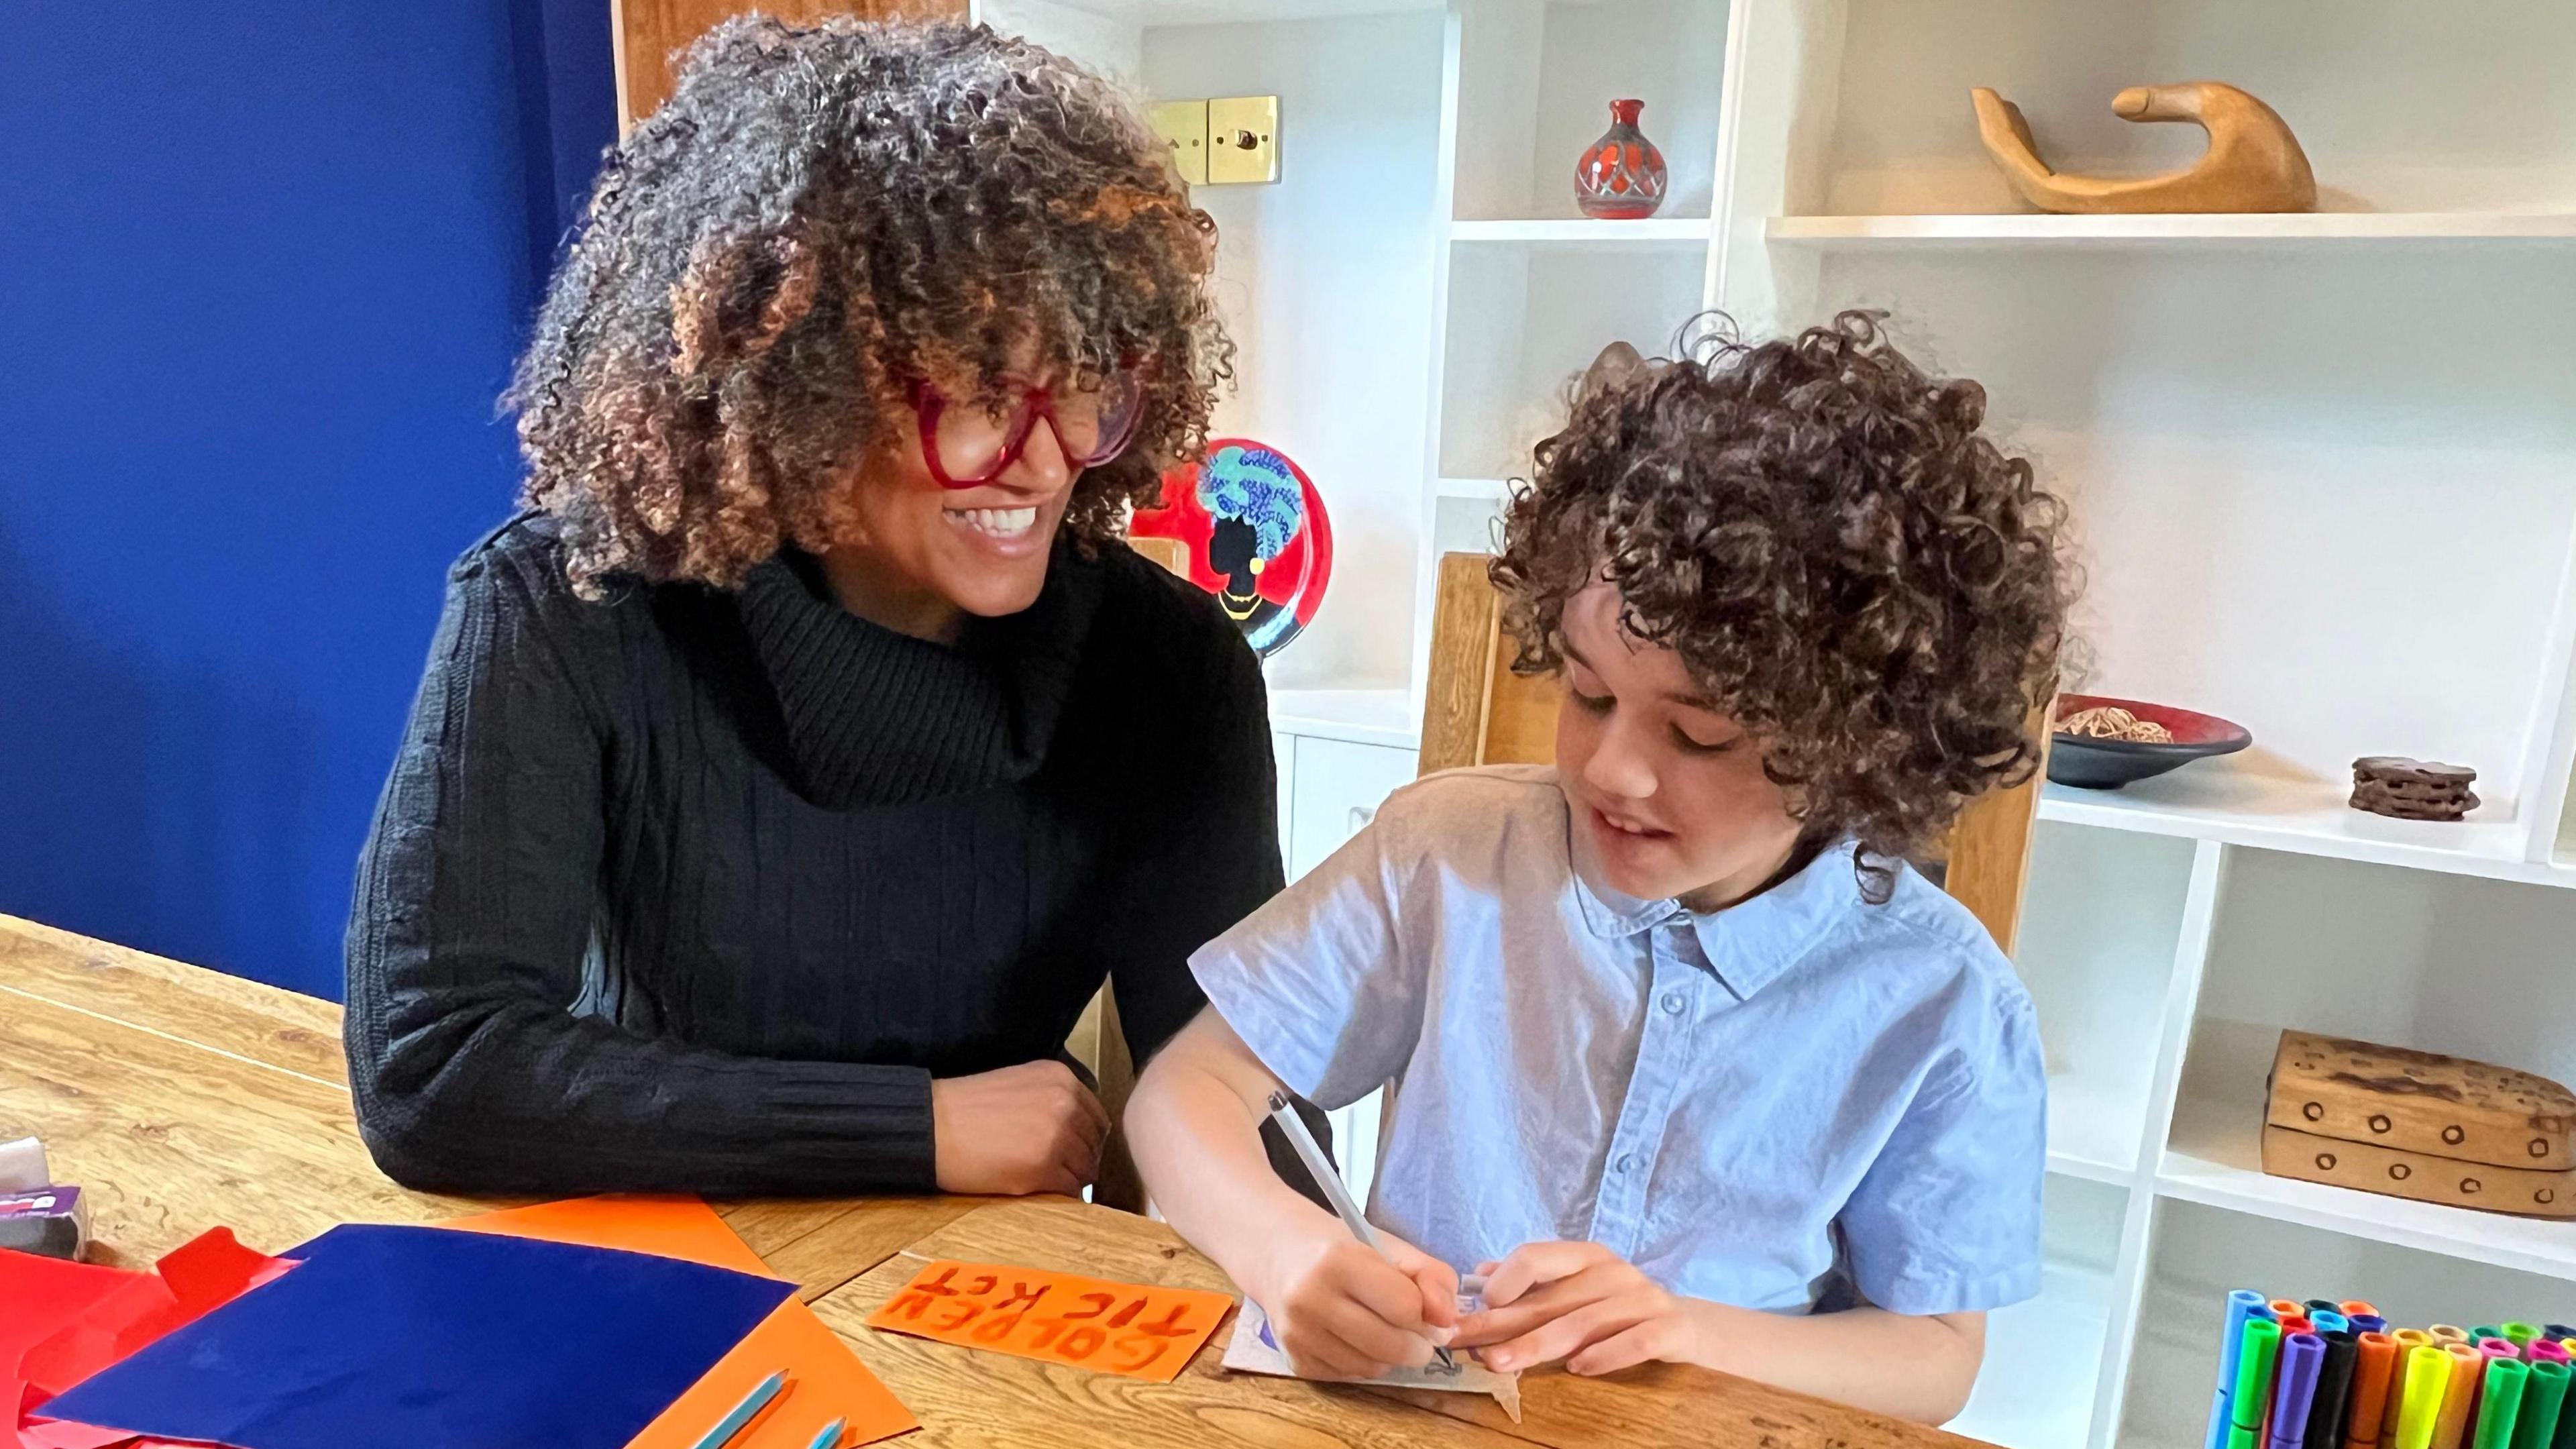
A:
[1684, 1052]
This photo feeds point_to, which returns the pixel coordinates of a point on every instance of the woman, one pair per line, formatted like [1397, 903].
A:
[789, 776]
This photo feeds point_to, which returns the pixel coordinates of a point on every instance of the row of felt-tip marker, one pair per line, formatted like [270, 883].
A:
[2328, 1375]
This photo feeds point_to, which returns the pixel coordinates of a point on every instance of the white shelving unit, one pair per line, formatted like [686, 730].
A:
[2323, 470]
[2248, 413]
[1833, 233]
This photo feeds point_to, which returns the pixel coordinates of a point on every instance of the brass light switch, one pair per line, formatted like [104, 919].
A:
[1183, 125]
[1243, 139]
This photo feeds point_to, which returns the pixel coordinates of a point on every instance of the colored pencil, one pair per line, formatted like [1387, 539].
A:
[744, 1412]
[830, 1436]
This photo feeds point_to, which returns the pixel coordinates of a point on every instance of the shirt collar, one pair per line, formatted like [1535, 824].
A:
[1748, 944]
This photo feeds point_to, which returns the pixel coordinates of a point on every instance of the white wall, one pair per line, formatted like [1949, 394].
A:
[1325, 279]
[1113, 47]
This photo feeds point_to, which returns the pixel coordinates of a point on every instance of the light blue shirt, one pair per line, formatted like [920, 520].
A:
[1754, 1106]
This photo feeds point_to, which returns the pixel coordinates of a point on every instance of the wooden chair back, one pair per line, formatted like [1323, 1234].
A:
[1478, 712]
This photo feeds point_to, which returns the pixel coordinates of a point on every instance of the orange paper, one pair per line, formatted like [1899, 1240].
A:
[1116, 1328]
[826, 1380]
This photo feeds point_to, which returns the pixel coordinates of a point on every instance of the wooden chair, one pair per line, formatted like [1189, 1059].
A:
[1478, 712]
[1097, 1042]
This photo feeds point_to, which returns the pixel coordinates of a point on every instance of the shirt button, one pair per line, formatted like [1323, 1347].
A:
[1628, 1163]
[1672, 1003]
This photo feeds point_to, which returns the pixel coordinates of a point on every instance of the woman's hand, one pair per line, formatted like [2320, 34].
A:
[1582, 1303]
[1029, 1128]
[1341, 1311]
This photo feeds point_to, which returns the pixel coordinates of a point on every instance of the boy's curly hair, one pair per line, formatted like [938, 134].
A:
[818, 218]
[1863, 580]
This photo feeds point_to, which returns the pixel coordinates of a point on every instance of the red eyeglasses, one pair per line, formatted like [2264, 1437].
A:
[968, 445]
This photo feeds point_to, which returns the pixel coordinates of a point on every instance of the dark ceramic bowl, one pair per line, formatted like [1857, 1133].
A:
[2094, 764]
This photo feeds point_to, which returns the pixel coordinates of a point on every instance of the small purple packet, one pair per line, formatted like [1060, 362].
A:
[53, 1221]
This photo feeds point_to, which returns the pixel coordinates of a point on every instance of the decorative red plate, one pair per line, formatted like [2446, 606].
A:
[2099, 764]
[1257, 535]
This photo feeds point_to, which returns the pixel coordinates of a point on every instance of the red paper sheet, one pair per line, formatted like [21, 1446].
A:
[69, 1320]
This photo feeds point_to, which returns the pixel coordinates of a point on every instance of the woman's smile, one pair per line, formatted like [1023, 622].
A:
[1004, 532]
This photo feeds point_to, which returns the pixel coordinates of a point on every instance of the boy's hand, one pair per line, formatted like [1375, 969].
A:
[1341, 1311]
[1579, 1302]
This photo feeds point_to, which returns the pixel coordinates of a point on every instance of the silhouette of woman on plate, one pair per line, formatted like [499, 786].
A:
[1257, 507]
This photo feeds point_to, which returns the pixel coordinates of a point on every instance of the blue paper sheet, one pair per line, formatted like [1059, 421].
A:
[428, 1337]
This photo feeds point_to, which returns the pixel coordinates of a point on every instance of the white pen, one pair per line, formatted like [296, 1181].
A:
[1311, 1153]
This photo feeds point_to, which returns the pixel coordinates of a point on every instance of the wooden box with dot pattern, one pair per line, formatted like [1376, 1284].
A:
[2415, 1125]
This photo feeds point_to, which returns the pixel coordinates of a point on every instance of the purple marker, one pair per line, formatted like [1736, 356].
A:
[2302, 1354]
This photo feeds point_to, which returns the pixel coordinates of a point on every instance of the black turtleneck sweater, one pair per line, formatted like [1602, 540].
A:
[697, 890]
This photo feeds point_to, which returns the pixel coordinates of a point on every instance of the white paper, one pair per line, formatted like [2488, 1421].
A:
[1255, 1350]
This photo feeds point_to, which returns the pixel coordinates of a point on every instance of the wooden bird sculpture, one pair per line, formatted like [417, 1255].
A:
[2253, 162]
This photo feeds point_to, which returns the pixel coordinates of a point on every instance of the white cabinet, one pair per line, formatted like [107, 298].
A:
[1339, 785]
[1341, 752]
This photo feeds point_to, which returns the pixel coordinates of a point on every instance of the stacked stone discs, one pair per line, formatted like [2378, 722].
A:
[2412, 789]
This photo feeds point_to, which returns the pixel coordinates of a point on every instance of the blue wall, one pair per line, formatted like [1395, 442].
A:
[263, 267]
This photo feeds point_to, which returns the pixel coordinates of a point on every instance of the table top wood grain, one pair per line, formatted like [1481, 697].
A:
[181, 1099]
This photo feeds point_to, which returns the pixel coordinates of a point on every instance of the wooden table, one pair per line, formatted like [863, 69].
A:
[179, 1099]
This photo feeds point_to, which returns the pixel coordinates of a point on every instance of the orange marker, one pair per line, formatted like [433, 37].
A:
[2353, 1306]
[2458, 1393]
[2374, 1354]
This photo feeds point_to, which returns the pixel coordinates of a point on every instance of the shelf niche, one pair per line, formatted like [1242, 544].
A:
[1535, 85]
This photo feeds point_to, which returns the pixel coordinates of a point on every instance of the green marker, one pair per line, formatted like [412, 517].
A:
[2499, 1402]
[2543, 1395]
[2520, 1335]
[2253, 1382]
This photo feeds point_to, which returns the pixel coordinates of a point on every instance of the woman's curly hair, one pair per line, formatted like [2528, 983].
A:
[1864, 581]
[819, 217]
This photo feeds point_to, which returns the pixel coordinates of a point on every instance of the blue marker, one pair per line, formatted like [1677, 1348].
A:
[2302, 1354]
[2241, 1304]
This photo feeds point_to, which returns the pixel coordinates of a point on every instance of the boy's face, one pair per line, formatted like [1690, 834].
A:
[1667, 794]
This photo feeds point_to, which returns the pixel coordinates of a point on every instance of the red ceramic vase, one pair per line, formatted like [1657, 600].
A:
[1621, 176]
